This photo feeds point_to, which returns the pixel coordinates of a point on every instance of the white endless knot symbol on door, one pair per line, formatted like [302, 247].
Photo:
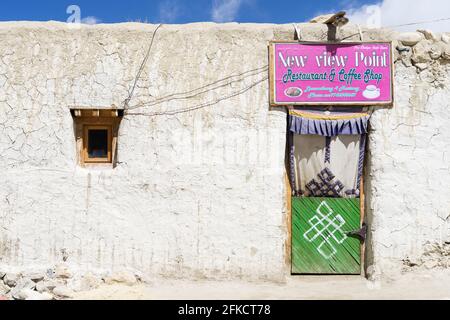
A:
[328, 226]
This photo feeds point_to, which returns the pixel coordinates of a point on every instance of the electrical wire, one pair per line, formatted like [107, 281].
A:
[202, 90]
[144, 62]
[416, 23]
[399, 25]
[200, 106]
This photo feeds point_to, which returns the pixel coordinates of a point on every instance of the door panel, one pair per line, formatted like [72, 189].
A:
[320, 244]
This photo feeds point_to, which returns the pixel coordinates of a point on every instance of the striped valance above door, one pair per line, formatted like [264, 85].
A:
[327, 152]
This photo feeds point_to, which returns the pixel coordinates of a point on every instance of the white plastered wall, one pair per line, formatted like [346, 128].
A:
[199, 193]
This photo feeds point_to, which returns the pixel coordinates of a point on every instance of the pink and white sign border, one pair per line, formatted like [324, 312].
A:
[330, 73]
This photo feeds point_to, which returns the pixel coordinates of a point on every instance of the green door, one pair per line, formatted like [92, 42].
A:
[320, 244]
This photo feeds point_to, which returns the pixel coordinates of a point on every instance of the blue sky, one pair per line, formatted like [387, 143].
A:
[174, 11]
[372, 13]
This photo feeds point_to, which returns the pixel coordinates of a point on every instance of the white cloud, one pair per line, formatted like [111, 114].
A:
[225, 10]
[169, 11]
[90, 20]
[389, 13]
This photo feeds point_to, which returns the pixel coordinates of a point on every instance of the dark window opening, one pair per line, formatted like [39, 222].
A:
[98, 144]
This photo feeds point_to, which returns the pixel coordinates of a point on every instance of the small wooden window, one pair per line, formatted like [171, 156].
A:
[96, 134]
[97, 144]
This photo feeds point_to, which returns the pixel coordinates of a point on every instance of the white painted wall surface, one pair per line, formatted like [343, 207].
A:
[197, 194]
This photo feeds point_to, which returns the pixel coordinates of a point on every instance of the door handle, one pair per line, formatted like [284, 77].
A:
[361, 233]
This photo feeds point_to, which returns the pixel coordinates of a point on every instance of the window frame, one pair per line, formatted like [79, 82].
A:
[85, 154]
[94, 118]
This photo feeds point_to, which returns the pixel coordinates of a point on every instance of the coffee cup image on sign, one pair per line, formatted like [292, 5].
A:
[293, 92]
[372, 92]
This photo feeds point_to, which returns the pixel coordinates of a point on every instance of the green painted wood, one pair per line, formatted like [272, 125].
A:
[320, 244]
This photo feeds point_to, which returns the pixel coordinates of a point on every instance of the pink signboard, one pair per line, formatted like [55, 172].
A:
[331, 73]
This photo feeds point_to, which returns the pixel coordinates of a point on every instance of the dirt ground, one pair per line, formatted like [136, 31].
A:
[416, 285]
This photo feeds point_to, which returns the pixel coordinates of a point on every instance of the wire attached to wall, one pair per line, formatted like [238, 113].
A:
[419, 22]
[398, 25]
[236, 78]
[200, 106]
[144, 62]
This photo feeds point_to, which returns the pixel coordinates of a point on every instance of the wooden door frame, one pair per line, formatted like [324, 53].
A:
[288, 203]
[362, 214]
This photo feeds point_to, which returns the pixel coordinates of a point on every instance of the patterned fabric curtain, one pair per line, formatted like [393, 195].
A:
[327, 152]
